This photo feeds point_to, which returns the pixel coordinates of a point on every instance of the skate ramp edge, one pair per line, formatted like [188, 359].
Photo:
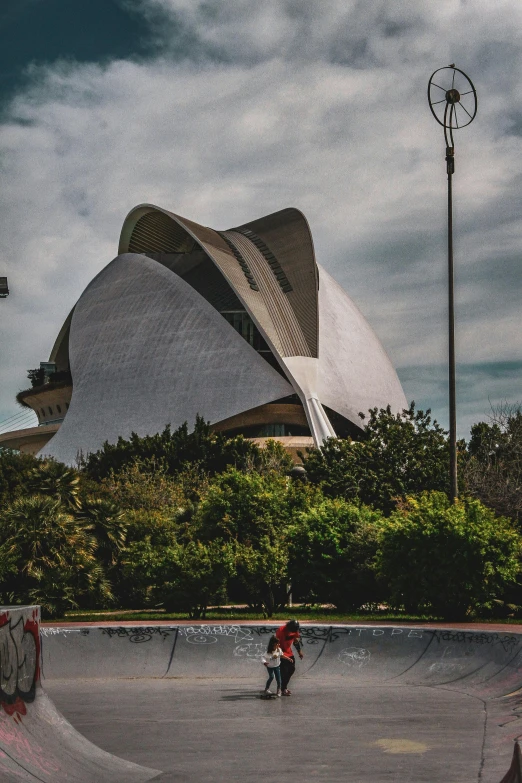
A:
[481, 663]
[36, 742]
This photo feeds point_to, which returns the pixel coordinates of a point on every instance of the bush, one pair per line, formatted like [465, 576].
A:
[333, 548]
[173, 451]
[400, 454]
[181, 577]
[447, 559]
[254, 512]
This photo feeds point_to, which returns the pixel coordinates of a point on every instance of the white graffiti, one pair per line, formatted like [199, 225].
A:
[410, 633]
[208, 634]
[254, 651]
[46, 631]
[198, 638]
[355, 656]
[447, 663]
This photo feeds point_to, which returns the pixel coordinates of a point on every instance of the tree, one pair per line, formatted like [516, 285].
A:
[447, 559]
[146, 485]
[107, 522]
[253, 512]
[400, 454]
[333, 546]
[56, 480]
[183, 578]
[263, 571]
[51, 556]
[493, 471]
[14, 474]
[212, 451]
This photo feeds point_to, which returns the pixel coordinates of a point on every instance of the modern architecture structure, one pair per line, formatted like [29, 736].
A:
[240, 326]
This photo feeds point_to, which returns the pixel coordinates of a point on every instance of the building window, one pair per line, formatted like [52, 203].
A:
[50, 411]
[66, 406]
[58, 409]
[270, 430]
[243, 324]
[43, 412]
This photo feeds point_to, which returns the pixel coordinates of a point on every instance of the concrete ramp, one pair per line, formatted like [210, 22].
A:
[478, 662]
[36, 742]
[471, 680]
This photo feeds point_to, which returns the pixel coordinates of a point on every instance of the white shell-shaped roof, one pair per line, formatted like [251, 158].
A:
[147, 348]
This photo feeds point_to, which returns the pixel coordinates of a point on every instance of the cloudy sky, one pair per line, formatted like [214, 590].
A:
[226, 110]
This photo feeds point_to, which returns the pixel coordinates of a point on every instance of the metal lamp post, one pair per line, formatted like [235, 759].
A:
[453, 102]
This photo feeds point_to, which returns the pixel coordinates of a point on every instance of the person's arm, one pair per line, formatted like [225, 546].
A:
[299, 647]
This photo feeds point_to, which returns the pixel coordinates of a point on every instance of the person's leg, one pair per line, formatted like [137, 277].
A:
[287, 669]
[270, 678]
[277, 672]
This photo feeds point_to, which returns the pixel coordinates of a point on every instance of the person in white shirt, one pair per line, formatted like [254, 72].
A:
[272, 661]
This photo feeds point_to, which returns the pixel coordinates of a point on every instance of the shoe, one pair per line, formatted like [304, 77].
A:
[286, 692]
[278, 694]
[268, 693]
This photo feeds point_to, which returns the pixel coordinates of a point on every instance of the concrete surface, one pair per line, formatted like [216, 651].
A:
[369, 703]
[37, 744]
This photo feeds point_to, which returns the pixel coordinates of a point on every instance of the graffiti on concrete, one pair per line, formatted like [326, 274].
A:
[314, 634]
[507, 641]
[208, 634]
[50, 631]
[356, 657]
[25, 747]
[19, 659]
[253, 651]
[139, 635]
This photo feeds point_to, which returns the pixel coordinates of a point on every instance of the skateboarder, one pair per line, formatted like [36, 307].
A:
[288, 635]
[272, 661]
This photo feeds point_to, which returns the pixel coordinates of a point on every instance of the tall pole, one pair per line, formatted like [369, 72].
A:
[444, 100]
[454, 491]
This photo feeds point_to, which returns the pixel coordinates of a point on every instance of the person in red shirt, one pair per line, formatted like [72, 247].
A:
[288, 635]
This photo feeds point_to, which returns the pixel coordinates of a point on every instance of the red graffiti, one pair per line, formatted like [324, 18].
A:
[18, 707]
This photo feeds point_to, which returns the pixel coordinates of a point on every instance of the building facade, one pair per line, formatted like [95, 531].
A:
[240, 326]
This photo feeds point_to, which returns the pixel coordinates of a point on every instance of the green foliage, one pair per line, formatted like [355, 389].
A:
[450, 559]
[263, 571]
[14, 474]
[56, 480]
[146, 485]
[107, 522]
[37, 376]
[401, 454]
[244, 507]
[254, 512]
[50, 556]
[181, 577]
[493, 470]
[212, 451]
[272, 458]
[333, 547]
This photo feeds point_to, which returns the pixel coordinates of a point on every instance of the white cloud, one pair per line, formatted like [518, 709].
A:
[258, 106]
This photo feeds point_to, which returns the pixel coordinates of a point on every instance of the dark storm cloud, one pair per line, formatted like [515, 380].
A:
[227, 111]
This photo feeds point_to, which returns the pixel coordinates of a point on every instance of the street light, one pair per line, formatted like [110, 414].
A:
[453, 102]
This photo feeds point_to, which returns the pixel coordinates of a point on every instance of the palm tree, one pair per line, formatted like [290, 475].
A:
[56, 480]
[50, 556]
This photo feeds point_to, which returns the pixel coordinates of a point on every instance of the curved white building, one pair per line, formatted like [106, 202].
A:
[241, 326]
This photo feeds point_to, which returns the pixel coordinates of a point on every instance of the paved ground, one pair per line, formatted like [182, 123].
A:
[221, 730]
[370, 703]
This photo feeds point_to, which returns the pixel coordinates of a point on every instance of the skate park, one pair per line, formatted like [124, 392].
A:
[182, 702]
